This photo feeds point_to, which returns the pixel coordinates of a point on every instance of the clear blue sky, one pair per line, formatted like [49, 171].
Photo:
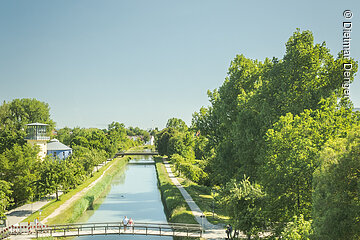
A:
[143, 62]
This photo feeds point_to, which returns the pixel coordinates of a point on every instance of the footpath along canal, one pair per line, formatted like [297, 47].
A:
[133, 193]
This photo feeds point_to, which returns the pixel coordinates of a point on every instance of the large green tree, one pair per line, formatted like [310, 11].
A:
[51, 174]
[243, 201]
[19, 167]
[162, 140]
[291, 157]
[16, 114]
[177, 124]
[337, 189]
[256, 94]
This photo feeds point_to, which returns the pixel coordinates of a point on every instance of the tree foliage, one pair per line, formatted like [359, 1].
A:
[23, 176]
[15, 115]
[243, 202]
[337, 189]
[256, 94]
[298, 229]
[177, 124]
[5, 199]
[291, 157]
[20, 169]
[270, 120]
[131, 131]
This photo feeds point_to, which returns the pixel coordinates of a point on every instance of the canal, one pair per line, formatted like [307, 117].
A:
[133, 193]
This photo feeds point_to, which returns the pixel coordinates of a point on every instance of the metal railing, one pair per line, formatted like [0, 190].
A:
[118, 228]
[4, 233]
[135, 153]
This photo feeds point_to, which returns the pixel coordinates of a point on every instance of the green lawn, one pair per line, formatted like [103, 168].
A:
[203, 198]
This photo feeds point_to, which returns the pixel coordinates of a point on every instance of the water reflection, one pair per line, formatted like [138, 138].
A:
[134, 194]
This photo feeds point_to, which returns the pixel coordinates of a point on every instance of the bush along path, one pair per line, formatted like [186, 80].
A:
[211, 231]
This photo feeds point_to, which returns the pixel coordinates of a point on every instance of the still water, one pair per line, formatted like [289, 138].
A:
[133, 193]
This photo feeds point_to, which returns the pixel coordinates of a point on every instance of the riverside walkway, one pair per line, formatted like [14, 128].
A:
[211, 231]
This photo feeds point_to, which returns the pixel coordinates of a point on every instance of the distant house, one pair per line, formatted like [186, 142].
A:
[57, 149]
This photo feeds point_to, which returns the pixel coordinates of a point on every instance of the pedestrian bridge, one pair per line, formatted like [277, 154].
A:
[118, 228]
[121, 154]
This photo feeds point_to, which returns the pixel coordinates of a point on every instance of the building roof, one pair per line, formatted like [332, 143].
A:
[55, 145]
[36, 124]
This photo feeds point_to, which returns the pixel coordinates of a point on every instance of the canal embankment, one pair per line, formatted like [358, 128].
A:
[175, 206]
[179, 194]
[133, 193]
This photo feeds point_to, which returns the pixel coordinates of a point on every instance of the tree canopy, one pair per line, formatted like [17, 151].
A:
[270, 121]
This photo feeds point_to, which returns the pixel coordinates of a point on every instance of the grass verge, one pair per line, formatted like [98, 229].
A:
[203, 197]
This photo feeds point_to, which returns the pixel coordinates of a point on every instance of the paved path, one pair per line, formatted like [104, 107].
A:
[19, 214]
[211, 231]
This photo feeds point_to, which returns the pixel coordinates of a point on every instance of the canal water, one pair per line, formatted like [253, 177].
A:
[133, 193]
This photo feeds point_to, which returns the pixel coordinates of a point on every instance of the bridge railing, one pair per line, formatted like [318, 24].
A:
[136, 153]
[159, 229]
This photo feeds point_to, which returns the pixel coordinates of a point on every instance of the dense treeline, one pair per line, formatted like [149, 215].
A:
[281, 140]
[24, 177]
[185, 150]
[136, 131]
[18, 160]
